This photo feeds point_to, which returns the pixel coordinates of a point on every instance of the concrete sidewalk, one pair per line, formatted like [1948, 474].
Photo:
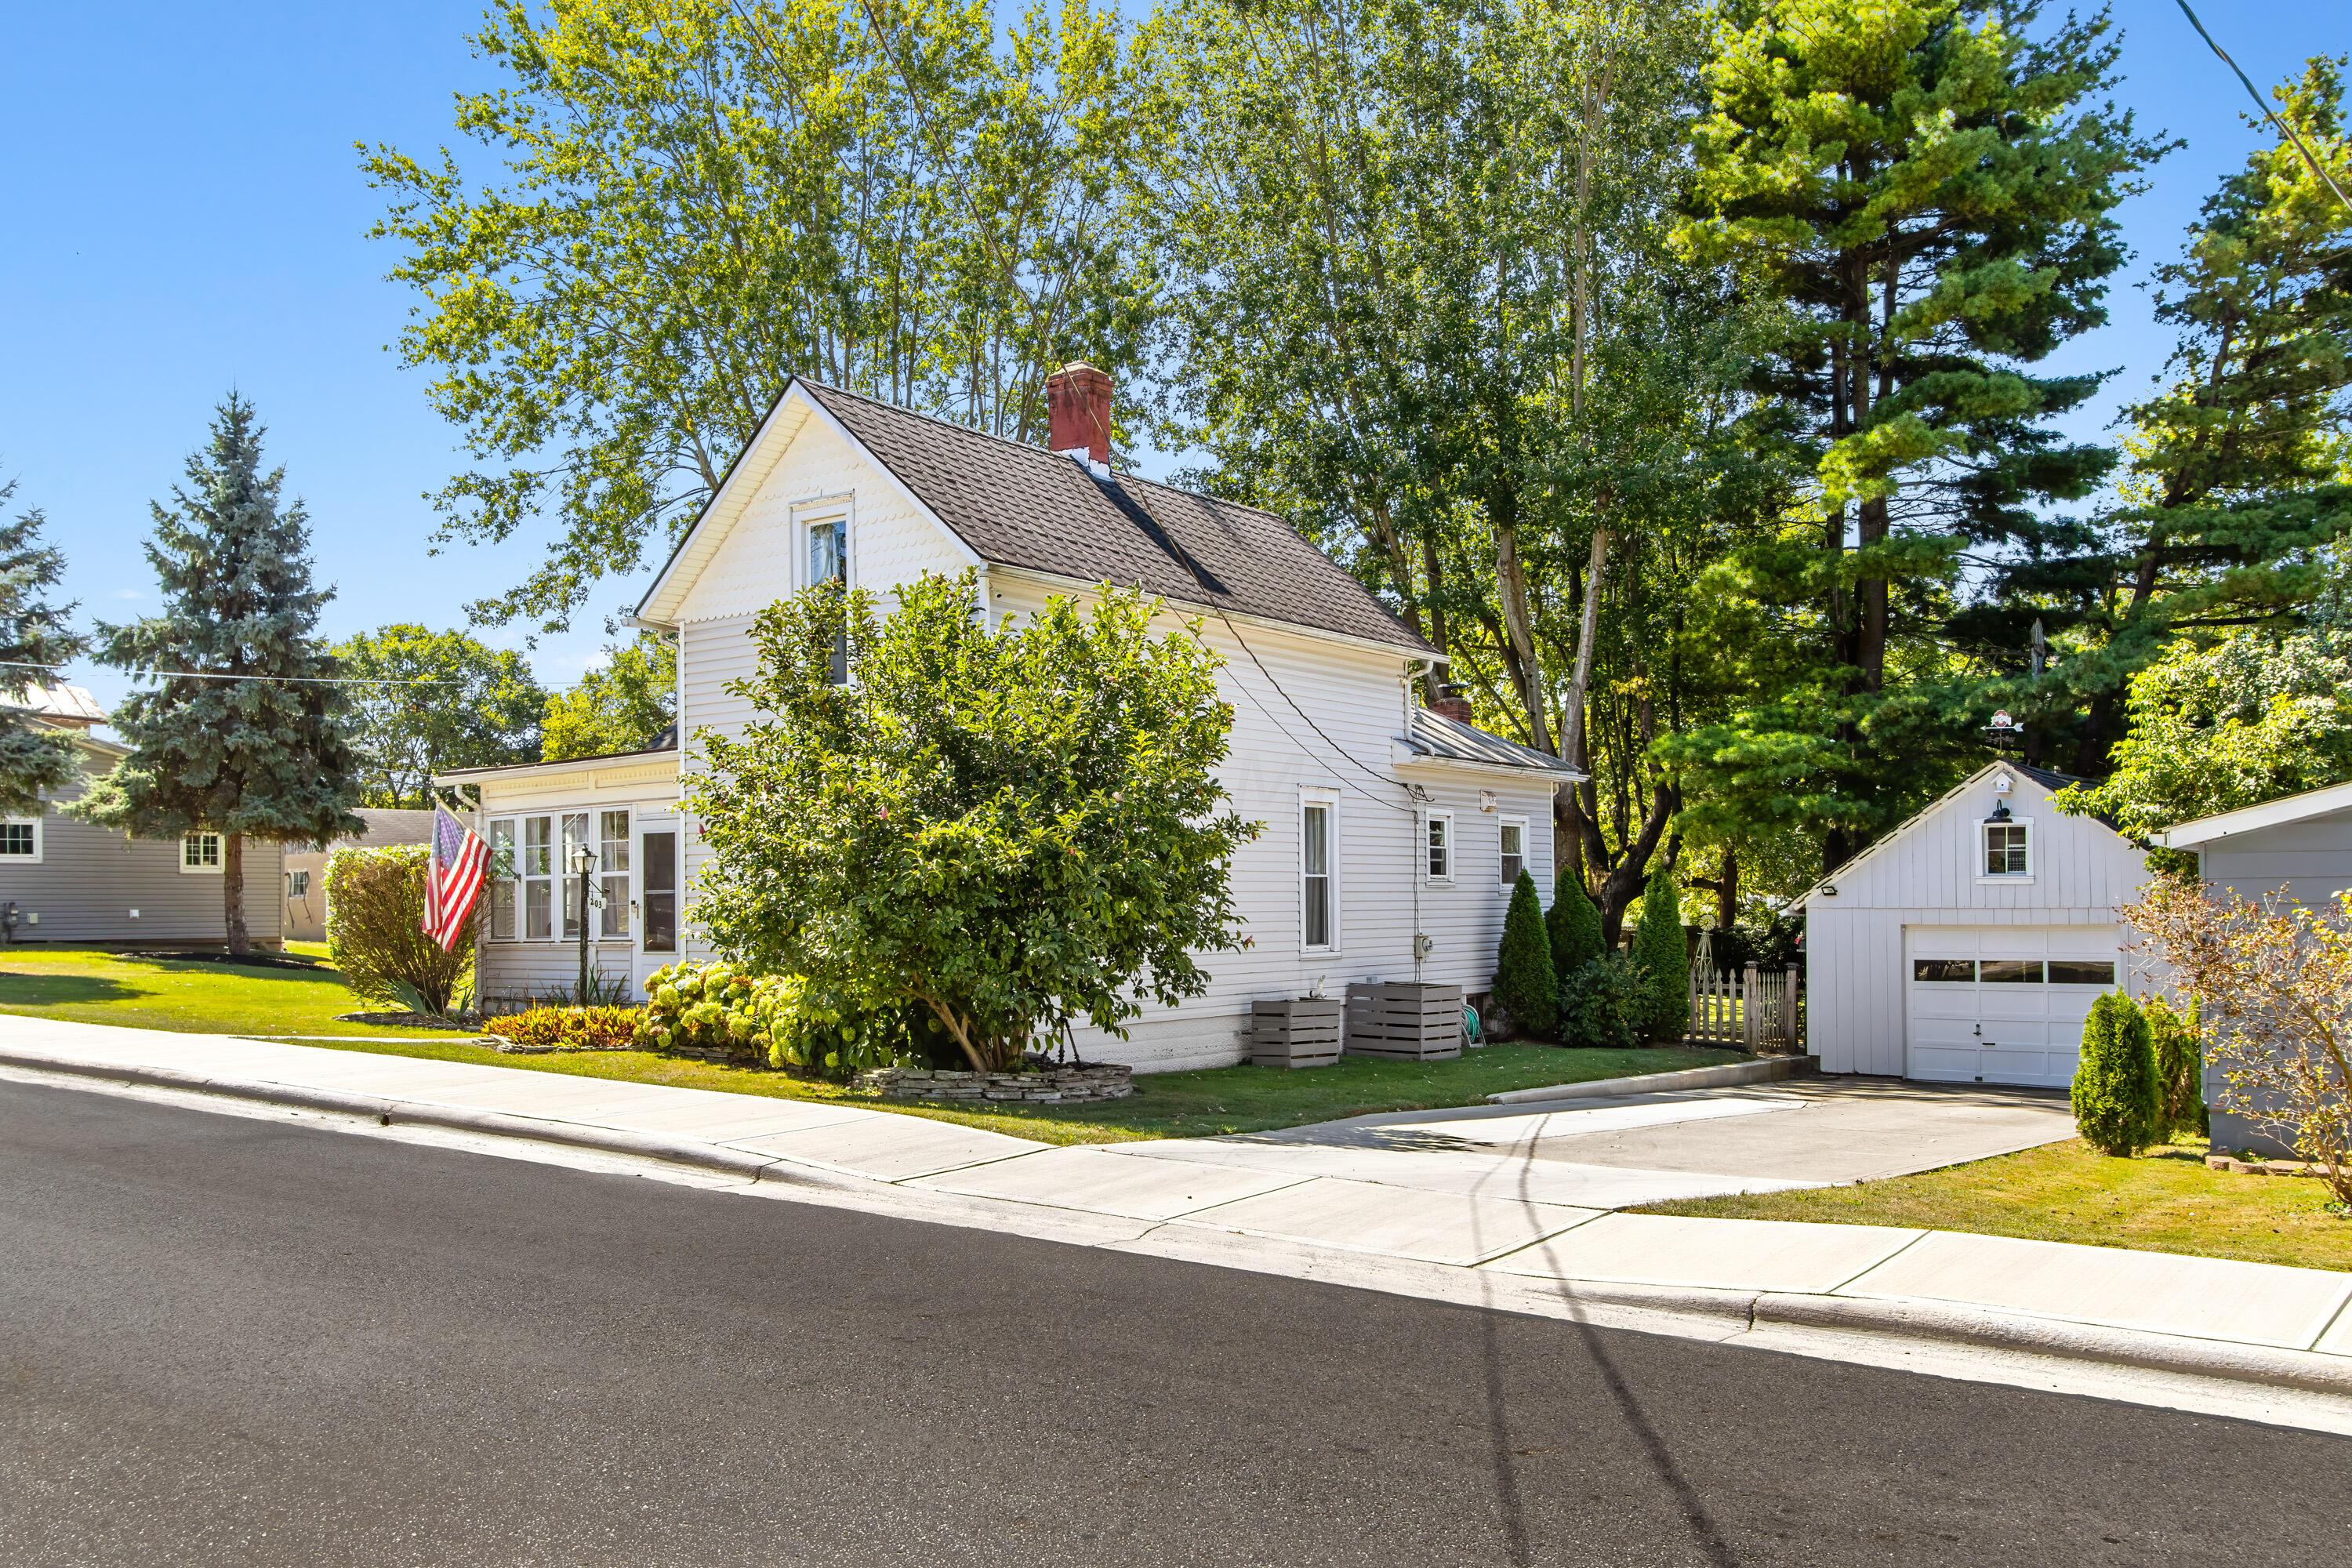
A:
[1276, 1203]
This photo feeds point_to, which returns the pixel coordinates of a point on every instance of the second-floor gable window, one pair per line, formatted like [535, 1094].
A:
[828, 561]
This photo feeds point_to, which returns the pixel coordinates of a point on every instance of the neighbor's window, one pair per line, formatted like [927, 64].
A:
[20, 838]
[1513, 833]
[200, 852]
[1317, 911]
[297, 884]
[1437, 831]
[2005, 849]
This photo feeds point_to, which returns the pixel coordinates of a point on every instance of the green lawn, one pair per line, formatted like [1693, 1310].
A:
[203, 997]
[207, 997]
[2163, 1201]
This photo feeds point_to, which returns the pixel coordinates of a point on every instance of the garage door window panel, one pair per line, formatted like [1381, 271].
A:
[2010, 972]
[2081, 971]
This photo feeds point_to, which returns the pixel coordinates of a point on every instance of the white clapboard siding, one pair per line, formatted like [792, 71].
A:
[2309, 861]
[1926, 874]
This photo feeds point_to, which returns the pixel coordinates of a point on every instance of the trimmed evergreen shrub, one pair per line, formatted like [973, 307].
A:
[1527, 987]
[1660, 952]
[2117, 1101]
[2179, 1067]
[1599, 1003]
[1574, 927]
[376, 915]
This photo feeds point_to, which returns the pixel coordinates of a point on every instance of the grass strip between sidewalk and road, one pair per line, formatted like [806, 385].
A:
[204, 995]
[2162, 1201]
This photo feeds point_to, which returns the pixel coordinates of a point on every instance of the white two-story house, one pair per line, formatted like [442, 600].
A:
[1394, 831]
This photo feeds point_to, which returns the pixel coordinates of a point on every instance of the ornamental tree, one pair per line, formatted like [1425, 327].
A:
[2272, 986]
[445, 700]
[1012, 827]
[35, 636]
[240, 732]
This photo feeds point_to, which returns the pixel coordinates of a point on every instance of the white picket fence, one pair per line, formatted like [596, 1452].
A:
[1758, 1010]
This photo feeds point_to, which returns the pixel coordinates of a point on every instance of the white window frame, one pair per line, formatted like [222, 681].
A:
[1327, 802]
[41, 846]
[606, 877]
[1502, 825]
[825, 511]
[506, 860]
[200, 869]
[1984, 854]
[1452, 847]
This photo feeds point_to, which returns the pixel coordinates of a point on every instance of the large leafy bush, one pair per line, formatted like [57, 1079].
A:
[1601, 1005]
[375, 916]
[1527, 987]
[1009, 827]
[2118, 1103]
[769, 1020]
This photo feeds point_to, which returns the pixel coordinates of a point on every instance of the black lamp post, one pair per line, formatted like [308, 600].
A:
[583, 863]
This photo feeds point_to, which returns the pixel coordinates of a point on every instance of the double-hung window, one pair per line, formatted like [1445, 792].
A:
[535, 876]
[613, 870]
[1319, 843]
[20, 840]
[1511, 838]
[200, 854]
[1437, 845]
[828, 561]
[575, 836]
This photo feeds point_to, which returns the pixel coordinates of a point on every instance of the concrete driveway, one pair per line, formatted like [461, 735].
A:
[1637, 1149]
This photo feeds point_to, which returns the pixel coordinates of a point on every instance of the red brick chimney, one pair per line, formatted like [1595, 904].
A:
[1450, 702]
[1077, 411]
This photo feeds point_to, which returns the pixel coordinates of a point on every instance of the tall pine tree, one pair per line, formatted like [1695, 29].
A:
[1925, 187]
[238, 734]
[35, 636]
[2238, 472]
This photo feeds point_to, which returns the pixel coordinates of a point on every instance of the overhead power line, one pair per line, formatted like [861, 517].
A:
[2263, 104]
[219, 674]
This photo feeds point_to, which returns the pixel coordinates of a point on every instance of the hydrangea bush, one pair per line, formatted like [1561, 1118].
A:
[765, 1020]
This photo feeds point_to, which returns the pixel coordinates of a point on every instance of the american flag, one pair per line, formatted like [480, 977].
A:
[453, 878]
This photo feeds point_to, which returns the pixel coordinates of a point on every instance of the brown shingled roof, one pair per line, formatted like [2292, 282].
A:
[1017, 505]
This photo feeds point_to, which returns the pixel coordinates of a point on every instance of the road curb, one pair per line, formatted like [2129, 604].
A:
[1986, 1328]
[414, 1113]
[1764, 1069]
[1894, 1319]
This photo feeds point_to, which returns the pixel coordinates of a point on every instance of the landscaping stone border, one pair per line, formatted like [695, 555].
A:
[1041, 1086]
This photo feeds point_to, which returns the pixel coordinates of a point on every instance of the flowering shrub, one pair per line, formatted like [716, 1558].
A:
[771, 1020]
[569, 1028]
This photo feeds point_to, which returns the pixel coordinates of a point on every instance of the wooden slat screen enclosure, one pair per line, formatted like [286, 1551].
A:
[1758, 1010]
[1303, 1032]
[1404, 1018]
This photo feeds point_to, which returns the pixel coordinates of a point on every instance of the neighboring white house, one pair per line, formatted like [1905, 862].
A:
[2299, 848]
[1385, 821]
[1967, 945]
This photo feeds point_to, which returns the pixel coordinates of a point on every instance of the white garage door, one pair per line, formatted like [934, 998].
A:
[2005, 1004]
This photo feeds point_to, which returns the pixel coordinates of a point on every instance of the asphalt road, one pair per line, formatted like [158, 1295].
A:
[231, 1341]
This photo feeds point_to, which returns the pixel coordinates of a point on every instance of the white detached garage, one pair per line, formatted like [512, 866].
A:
[1967, 945]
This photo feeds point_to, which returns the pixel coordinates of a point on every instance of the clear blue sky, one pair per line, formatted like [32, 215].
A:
[184, 213]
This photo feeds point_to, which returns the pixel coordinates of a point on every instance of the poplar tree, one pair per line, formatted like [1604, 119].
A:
[35, 636]
[240, 732]
[1925, 189]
